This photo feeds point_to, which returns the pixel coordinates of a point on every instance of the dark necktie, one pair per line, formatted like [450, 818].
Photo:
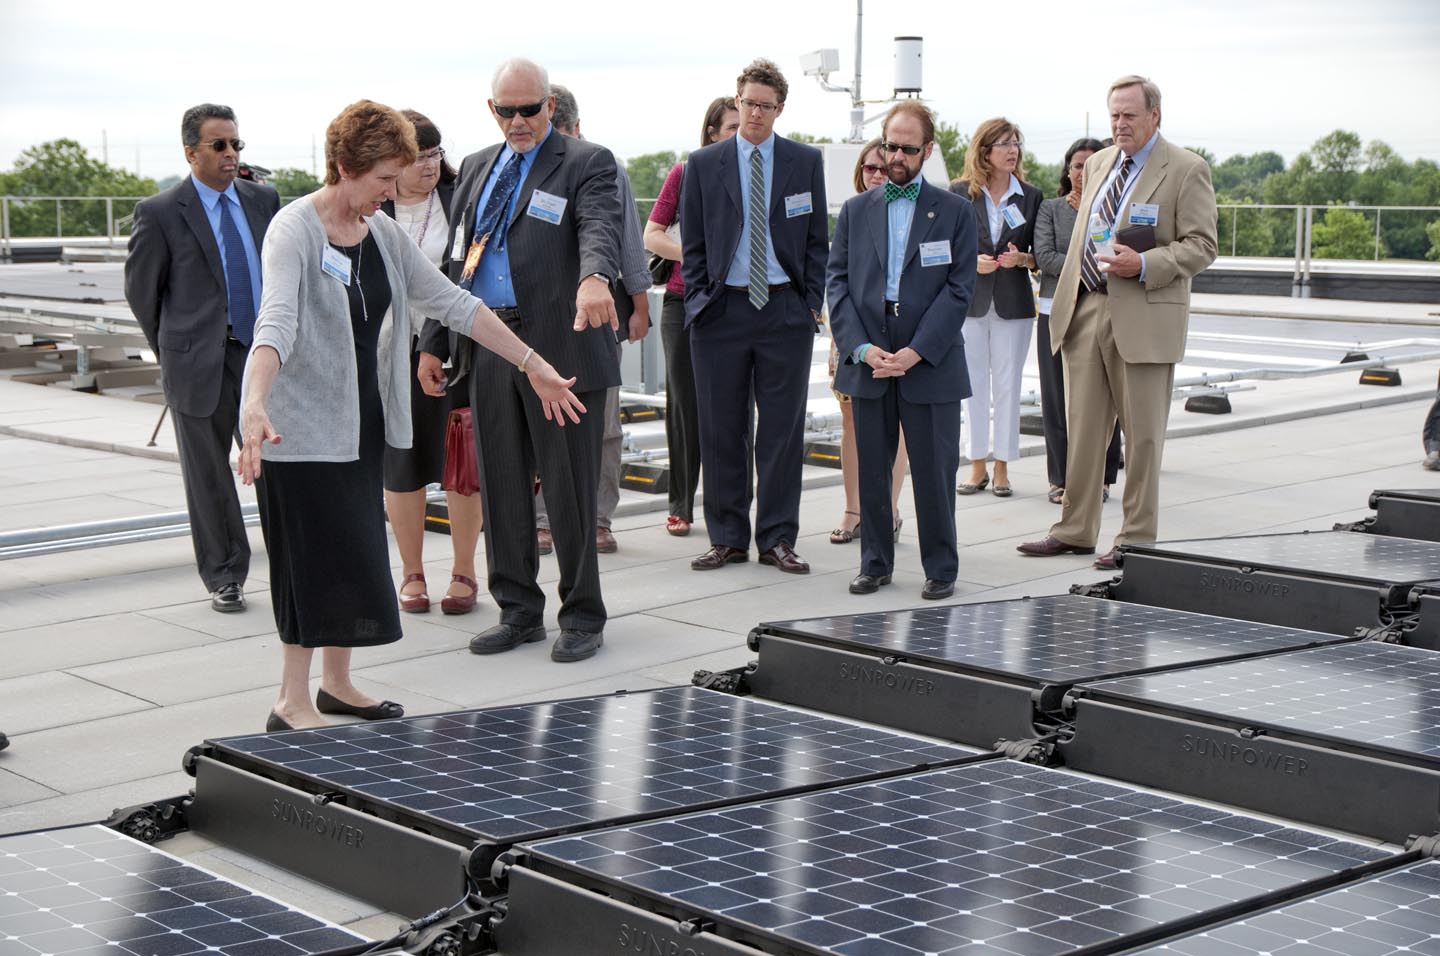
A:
[237, 277]
[894, 192]
[493, 219]
[1090, 272]
[759, 233]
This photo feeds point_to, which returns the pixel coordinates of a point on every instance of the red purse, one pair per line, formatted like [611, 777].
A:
[462, 467]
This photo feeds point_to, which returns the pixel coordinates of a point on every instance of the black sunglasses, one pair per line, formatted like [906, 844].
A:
[898, 148]
[527, 111]
[219, 144]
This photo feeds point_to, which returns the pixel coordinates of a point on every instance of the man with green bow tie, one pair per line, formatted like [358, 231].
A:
[899, 281]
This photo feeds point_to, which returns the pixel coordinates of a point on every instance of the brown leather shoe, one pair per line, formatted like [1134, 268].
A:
[605, 541]
[718, 556]
[544, 541]
[1106, 561]
[784, 557]
[1050, 546]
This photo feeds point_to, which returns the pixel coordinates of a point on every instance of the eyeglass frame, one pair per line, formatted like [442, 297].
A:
[426, 158]
[870, 169]
[1008, 144]
[528, 110]
[750, 106]
[908, 150]
[218, 145]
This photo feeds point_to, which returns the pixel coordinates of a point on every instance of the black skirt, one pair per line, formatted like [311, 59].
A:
[324, 522]
[411, 469]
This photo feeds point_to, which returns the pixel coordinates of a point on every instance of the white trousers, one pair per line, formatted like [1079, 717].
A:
[995, 351]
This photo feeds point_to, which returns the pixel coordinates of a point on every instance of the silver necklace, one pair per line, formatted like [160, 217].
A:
[360, 258]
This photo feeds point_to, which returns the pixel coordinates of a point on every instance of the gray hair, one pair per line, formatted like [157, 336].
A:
[196, 116]
[567, 112]
[521, 65]
[1152, 92]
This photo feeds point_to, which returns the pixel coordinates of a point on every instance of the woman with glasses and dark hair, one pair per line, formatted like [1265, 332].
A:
[327, 387]
[869, 174]
[997, 330]
[422, 208]
[1053, 227]
[682, 418]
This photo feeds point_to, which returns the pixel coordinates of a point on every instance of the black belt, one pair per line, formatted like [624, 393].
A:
[507, 313]
[1100, 290]
[892, 308]
[779, 286]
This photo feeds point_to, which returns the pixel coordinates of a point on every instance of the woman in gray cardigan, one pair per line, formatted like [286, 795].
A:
[1053, 228]
[327, 386]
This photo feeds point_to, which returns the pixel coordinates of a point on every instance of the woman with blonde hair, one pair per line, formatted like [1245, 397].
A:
[1002, 312]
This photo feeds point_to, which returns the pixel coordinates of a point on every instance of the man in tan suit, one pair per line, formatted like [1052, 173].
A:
[1119, 321]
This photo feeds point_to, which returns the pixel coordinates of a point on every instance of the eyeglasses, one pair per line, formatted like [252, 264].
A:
[219, 145]
[1008, 144]
[433, 156]
[527, 111]
[900, 148]
[752, 105]
[870, 169]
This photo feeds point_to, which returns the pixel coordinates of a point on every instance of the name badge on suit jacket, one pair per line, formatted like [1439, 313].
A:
[1144, 214]
[935, 253]
[1013, 216]
[457, 249]
[798, 205]
[546, 207]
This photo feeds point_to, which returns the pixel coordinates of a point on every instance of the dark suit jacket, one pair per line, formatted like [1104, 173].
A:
[712, 219]
[1009, 289]
[547, 262]
[175, 285]
[933, 299]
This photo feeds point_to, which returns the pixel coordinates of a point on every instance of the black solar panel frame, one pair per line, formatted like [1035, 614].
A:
[555, 879]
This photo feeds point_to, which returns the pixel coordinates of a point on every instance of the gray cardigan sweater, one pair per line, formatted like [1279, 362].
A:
[314, 402]
[1053, 228]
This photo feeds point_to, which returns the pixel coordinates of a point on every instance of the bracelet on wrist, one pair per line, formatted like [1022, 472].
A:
[524, 361]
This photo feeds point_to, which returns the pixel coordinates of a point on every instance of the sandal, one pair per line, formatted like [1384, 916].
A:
[1105, 494]
[1056, 495]
[969, 489]
[460, 603]
[677, 526]
[418, 603]
[1002, 491]
[843, 535]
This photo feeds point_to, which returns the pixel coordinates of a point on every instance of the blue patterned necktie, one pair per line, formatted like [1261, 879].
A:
[894, 192]
[493, 220]
[759, 232]
[237, 276]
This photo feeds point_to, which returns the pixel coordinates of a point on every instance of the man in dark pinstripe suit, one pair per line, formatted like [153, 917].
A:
[546, 271]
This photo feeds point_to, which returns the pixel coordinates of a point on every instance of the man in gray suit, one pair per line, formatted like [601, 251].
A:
[193, 281]
[535, 238]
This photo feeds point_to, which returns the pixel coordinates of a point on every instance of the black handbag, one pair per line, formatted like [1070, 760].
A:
[660, 268]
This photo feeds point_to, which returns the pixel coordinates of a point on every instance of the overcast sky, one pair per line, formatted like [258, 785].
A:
[1238, 76]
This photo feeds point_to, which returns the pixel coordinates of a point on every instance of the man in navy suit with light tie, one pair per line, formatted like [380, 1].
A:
[753, 233]
[901, 273]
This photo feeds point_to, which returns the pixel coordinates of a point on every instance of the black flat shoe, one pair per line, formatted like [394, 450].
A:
[330, 704]
[275, 723]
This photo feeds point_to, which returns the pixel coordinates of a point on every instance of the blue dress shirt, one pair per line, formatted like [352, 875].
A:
[210, 200]
[1139, 160]
[492, 277]
[739, 273]
[900, 213]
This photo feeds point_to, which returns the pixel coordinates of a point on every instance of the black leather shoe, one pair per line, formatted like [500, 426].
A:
[937, 590]
[330, 704]
[718, 556]
[1050, 546]
[574, 645]
[783, 556]
[275, 723]
[504, 637]
[228, 598]
[868, 583]
[4, 741]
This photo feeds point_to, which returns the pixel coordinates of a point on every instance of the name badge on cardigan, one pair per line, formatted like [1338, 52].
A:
[546, 207]
[335, 264]
[798, 205]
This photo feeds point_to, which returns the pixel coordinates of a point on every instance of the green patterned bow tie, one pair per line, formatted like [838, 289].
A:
[894, 192]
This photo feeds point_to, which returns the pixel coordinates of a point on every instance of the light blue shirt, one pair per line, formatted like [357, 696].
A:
[996, 211]
[739, 273]
[900, 213]
[492, 276]
[210, 199]
[1139, 160]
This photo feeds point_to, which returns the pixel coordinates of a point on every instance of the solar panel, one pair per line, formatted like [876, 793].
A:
[527, 770]
[1383, 695]
[1342, 553]
[995, 858]
[91, 890]
[1387, 915]
[1057, 639]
